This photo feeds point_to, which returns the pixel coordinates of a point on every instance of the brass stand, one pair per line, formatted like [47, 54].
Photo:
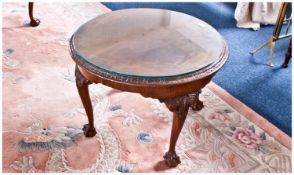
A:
[276, 34]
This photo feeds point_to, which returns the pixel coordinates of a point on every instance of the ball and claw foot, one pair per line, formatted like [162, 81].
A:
[171, 159]
[35, 22]
[89, 131]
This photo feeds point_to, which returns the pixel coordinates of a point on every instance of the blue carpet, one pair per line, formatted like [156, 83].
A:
[267, 90]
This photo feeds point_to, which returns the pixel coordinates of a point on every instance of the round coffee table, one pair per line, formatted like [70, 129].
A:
[160, 54]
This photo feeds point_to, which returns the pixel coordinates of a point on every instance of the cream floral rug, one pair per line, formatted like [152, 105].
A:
[43, 114]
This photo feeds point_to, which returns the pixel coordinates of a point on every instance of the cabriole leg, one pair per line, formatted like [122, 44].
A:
[179, 106]
[82, 85]
[34, 21]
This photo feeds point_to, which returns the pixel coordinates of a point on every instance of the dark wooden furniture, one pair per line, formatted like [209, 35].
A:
[34, 21]
[288, 54]
[160, 54]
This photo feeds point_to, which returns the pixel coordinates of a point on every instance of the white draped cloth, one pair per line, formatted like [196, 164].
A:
[252, 14]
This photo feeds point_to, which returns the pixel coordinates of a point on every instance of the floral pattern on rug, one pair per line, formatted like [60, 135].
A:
[43, 115]
[56, 139]
[202, 146]
[246, 135]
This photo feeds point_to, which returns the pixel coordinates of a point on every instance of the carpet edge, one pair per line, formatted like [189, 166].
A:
[251, 115]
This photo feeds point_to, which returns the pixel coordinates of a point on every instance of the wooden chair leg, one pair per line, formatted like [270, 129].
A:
[34, 21]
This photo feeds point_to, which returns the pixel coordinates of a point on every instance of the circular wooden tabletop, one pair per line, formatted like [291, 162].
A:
[157, 53]
[148, 43]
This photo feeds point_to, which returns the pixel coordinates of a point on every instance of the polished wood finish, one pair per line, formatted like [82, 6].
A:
[179, 106]
[151, 87]
[82, 84]
[288, 55]
[178, 92]
[174, 95]
[34, 21]
[164, 43]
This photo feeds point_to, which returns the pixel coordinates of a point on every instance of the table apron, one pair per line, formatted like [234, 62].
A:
[151, 90]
